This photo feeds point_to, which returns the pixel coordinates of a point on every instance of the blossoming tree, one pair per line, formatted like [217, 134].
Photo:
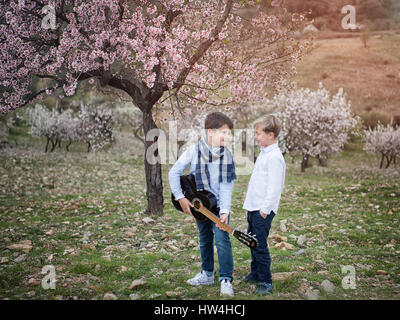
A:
[193, 51]
[43, 123]
[93, 126]
[384, 140]
[315, 124]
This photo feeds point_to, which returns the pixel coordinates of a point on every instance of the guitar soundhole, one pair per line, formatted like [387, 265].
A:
[197, 203]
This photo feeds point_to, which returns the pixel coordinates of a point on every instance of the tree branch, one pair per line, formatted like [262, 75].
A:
[204, 46]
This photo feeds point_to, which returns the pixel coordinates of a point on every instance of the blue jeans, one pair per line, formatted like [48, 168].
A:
[207, 231]
[260, 257]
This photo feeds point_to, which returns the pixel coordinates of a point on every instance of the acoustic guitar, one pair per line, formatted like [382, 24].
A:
[203, 201]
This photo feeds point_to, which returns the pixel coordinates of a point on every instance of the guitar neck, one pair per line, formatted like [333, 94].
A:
[247, 239]
[213, 218]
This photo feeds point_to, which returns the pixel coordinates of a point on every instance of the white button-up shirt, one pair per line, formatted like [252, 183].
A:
[267, 181]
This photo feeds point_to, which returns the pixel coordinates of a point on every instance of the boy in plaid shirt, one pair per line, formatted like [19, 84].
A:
[214, 170]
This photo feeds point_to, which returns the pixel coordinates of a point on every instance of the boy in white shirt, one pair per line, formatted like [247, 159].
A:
[262, 198]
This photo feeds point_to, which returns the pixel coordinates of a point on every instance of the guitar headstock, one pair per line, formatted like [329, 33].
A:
[245, 238]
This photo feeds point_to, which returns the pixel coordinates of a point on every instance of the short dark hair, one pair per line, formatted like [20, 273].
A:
[216, 120]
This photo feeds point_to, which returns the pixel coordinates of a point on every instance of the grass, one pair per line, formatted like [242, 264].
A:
[83, 214]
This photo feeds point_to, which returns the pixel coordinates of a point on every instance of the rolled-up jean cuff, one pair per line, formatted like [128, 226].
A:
[209, 273]
[225, 278]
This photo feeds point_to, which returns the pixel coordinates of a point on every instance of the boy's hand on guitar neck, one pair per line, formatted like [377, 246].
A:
[185, 205]
[224, 220]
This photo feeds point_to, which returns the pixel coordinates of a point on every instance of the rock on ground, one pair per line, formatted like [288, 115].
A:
[328, 286]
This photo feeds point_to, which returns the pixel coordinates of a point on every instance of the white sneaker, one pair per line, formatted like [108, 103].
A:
[201, 279]
[226, 288]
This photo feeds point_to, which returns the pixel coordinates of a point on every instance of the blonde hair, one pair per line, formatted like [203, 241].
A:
[269, 123]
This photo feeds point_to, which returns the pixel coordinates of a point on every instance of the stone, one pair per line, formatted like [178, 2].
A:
[172, 293]
[123, 269]
[282, 226]
[280, 238]
[3, 260]
[30, 294]
[283, 275]
[147, 220]
[110, 296]
[302, 238]
[136, 283]
[312, 294]
[174, 248]
[192, 243]
[134, 296]
[33, 282]
[299, 252]
[323, 272]
[20, 258]
[328, 286]
[25, 245]
[129, 234]
[88, 246]
[284, 245]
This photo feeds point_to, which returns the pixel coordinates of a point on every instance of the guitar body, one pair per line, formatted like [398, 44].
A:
[209, 200]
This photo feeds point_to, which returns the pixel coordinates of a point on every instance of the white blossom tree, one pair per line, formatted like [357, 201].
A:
[384, 140]
[68, 128]
[314, 123]
[125, 115]
[43, 123]
[95, 127]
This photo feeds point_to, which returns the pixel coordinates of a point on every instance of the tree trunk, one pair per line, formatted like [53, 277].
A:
[47, 144]
[383, 158]
[152, 166]
[53, 145]
[389, 161]
[304, 163]
[321, 161]
[67, 146]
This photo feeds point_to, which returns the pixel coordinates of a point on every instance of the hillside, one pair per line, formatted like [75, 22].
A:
[370, 76]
